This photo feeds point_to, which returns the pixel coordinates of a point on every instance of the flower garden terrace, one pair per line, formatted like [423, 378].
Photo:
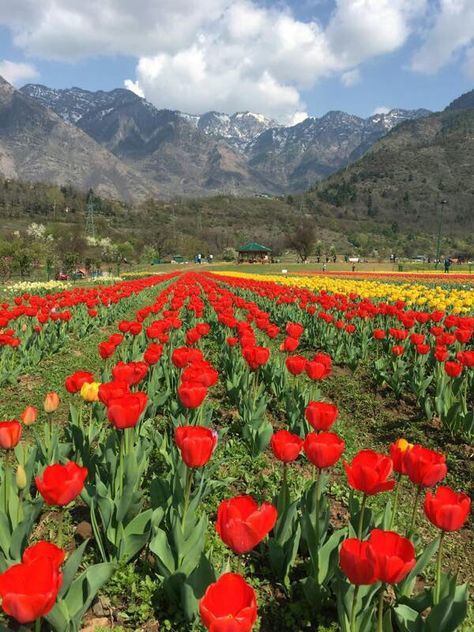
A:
[208, 434]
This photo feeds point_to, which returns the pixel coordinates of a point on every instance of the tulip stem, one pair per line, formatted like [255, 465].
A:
[187, 493]
[353, 609]
[380, 611]
[413, 515]
[38, 625]
[81, 408]
[438, 570]
[395, 502]
[60, 528]
[6, 482]
[360, 526]
[317, 495]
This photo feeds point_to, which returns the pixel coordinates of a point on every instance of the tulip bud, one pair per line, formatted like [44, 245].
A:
[20, 477]
[90, 391]
[29, 415]
[51, 402]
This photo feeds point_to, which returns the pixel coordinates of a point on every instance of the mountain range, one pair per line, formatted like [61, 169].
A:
[417, 179]
[124, 147]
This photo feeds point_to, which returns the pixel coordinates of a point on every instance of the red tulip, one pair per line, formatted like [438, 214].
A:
[232, 341]
[398, 350]
[125, 411]
[294, 330]
[106, 349]
[112, 390]
[318, 369]
[130, 372]
[398, 451]
[74, 382]
[191, 394]
[323, 449]
[241, 524]
[10, 434]
[446, 509]
[135, 328]
[323, 358]
[321, 415]
[255, 356]
[44, 549]
[466, 358]
[286, 446]
[369, 472]
[152, 353]
[423, 349]
[392, 555]
[378, 334]
[229, 605]
[196, 444]
[441, 354]
[289, 344]
[355, 563]
[295, 364]
[453, 369]
[61, 483]
[463, 335]
[425, 467]
[29, 590]
[182, 356]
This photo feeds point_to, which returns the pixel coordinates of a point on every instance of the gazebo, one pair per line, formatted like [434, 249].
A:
[254, 253]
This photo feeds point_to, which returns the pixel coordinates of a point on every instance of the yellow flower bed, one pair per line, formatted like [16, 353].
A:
[432, 298]
[36, 286]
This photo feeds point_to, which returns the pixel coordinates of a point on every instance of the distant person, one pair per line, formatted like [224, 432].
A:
[353, 267]
[447, 265]
[334, 259]
[324, 267]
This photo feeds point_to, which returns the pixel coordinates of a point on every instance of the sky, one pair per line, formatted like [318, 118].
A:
[286, 59]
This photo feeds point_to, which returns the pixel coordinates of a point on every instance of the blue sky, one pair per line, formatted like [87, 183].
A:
[284, 59]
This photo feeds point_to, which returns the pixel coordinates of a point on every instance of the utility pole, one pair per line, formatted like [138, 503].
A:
[90, 223]
[440, 224]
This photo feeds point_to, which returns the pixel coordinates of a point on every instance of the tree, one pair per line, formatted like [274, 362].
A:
[229, 254]
[302, 239]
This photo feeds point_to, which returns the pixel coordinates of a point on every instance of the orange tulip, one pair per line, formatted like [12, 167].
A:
[51, 402]
[29, 415]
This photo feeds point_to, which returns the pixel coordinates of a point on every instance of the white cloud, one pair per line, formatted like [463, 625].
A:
[216, 54]
[468, 66]
[381, 109]
[450, 32]
[134, 86]
[351, 78]
[17, 72]
[298, 117]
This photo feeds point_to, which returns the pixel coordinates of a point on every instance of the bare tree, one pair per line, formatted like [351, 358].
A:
[302, 239]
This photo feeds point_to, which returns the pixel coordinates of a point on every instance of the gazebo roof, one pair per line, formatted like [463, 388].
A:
[253, 247]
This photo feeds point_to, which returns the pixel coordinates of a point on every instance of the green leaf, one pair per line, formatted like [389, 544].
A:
[70, 568]
[408, 620]
[448, 615]
[406, 586]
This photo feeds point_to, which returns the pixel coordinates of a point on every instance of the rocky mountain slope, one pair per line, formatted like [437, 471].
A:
[399, 184]
[38, 145]
[242, 153]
